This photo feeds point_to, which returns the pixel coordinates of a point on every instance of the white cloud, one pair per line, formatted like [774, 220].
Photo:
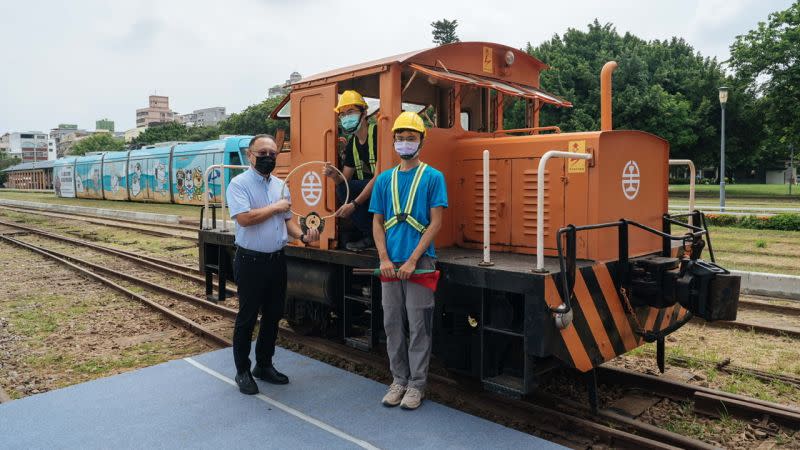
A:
[75, 62]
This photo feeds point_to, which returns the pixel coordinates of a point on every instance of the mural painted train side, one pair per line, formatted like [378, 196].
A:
[160, 174]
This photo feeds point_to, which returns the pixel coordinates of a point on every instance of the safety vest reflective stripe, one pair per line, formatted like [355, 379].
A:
[357, 158]
[405, 216]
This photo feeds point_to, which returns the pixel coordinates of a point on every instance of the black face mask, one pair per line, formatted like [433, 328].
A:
[265, 164]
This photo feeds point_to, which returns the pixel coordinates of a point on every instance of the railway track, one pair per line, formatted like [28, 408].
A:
[202, 324]
[172, 268]
[707, 401]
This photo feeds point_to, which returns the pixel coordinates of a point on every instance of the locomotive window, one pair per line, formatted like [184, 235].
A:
[434, 97]
[476, 102]
[464, 120]
[516, 113]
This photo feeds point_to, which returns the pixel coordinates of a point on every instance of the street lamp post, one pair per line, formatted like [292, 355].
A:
[723, 98]
[791, 167]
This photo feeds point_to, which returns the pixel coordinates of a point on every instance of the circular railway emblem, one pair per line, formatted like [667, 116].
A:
[631, 180]
[311, 188]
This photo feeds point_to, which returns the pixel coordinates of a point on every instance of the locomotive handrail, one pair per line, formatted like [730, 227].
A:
[687, 162]
[222, 190]
[540, 199]
[487, 261]
[563, 316]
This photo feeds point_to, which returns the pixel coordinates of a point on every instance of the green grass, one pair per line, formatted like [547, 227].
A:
[737, 190]
[685, 422]
[188, 211]
[756, 250]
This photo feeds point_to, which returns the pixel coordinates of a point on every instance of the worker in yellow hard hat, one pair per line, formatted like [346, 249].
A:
[407, 202]
[359, 165]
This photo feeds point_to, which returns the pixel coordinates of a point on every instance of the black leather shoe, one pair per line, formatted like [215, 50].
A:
[247, 385]
[270, 375]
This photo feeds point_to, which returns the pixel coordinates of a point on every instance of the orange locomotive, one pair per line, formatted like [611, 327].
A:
[593, 290]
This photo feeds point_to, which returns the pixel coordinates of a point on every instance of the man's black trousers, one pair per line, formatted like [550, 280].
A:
[261, 281]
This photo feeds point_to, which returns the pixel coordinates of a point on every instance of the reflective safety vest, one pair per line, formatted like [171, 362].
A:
[406, 216]
[357, 157]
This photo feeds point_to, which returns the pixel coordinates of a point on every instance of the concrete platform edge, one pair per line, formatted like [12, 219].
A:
[770, 284]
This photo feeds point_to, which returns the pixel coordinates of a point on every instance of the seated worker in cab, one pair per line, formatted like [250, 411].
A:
[408, 203]
[359, 167]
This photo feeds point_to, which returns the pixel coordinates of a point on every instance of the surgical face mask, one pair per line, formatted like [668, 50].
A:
[406, 149]
[265, 164]
[350, 122]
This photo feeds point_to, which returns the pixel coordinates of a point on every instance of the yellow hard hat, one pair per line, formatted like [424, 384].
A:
[350, 98]
[408, 120]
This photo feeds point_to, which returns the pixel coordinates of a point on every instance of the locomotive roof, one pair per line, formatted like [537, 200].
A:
[457, 56]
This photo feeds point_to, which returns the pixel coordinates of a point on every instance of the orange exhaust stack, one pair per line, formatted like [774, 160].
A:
[605, 95]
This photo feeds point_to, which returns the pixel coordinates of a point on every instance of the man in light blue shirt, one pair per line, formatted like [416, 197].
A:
[263, 228]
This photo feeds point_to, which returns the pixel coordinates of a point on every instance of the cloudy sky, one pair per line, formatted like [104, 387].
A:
[79, 61]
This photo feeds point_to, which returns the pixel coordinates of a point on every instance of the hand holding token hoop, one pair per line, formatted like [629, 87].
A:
[313, 221]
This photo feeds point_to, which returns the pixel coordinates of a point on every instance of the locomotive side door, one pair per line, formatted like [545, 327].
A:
[313, 131]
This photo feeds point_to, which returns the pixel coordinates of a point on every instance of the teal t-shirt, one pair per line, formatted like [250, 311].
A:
[402, 239]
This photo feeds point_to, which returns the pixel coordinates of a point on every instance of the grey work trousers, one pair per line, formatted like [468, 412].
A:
[408, 321]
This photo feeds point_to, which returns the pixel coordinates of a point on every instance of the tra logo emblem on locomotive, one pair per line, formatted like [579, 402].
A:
[631, 180]
[311, 187]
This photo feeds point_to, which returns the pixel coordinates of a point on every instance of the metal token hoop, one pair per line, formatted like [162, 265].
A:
[313, 221]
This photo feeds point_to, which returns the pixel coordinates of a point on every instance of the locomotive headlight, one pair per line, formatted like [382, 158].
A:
[509, 58]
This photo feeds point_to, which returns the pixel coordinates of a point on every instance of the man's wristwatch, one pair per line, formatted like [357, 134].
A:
[354, 202]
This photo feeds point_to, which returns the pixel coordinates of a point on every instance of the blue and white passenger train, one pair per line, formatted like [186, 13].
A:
[161, 174]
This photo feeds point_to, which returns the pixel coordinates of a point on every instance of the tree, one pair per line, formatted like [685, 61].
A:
[662, 87]
[444, 31]
[767, 60]
[98, 142]
[205, 133]
[6, 162]
[254, 119]
[166, 132]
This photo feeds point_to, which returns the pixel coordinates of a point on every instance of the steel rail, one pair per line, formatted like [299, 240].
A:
[750, 327]
[780, 309]
[179, 318]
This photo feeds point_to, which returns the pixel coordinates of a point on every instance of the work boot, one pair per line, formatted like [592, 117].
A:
[395, 395]
[361, 244]
[412, 399]
[247, 385]
[270, 375]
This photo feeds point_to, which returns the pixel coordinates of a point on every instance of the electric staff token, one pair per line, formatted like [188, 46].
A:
[312, 191]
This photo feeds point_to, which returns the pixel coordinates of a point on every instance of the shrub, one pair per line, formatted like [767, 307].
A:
[784, 221]
[722, 220]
